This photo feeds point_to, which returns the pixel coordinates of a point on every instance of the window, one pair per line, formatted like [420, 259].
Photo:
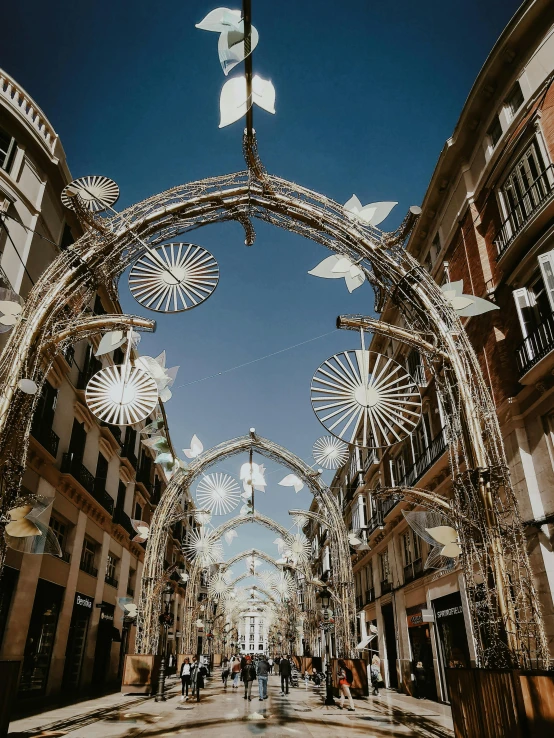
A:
[88, 555]
[407, 548]
[524, 189]
[67, 238]
[101, 474]
[60, 531]
[414, 366]
[435, 247]
[138, 511]
[8, 147]
[118, 357]
[495, 131]
[514, 100]
[111, 566]
[260, 647]
[535, 303]
[385, 568]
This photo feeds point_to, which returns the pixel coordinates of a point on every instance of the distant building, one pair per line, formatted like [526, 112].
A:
[253, 632]
[488, 219]
[60, 617]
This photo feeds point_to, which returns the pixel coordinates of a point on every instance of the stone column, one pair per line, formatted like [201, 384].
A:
[60, 643]
[15, 635]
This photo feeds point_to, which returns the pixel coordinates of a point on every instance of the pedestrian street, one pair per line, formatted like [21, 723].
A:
[222, 712]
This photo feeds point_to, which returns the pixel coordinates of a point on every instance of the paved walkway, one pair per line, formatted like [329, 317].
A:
[225, 713]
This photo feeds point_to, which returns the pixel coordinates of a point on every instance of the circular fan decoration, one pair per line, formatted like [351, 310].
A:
[218, 493]
[218, 586]
[300, 548]
[121, 395]
[11, 307]
[284, 585]
[374, 408]
[96, 193]
[203, 547]
[330, 453]
[174, 277]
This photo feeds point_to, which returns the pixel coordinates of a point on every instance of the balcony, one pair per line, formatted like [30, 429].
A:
[47, 439]
[413, 570]
[88, 568]
[386, 587]
[121, 518]
[427, 458]
[112, 581]
[66, 556]
[74, 466]
[129, 454]
[143, 477]
[375, 523]
[370, 460]
[389, 504]
[101, 496]
[536, 346]
[369, 595]
[530, 203]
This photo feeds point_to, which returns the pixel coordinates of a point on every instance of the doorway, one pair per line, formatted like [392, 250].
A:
[387, 612]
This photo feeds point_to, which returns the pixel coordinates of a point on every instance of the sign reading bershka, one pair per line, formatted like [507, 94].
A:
[82, 600]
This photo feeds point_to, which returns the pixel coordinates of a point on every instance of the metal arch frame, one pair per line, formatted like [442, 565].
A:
[514, 633]
[149, 606]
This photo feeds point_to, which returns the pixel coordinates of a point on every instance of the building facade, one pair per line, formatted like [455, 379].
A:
[487, 221]
[60, 616]
[253, 632]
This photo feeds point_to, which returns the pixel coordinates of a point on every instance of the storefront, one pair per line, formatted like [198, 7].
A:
[423, 683]
[78, 629]
[40, 639]
[104, 639]
[9, 582]
[451, 634]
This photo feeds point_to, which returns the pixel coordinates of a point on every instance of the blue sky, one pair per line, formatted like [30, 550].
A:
[367, 93]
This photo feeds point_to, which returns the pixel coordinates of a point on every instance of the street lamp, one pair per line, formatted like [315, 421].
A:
[325, 598]
[166, 620]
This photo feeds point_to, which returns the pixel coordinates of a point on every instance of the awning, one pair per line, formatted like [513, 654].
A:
[362, 645]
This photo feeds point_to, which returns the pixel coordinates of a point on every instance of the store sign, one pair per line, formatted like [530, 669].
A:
[83, 601]
[456, 610]
[415, 620]
[427, 616]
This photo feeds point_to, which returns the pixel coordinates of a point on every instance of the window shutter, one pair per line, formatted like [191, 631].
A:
[546, 263]
[523, 307]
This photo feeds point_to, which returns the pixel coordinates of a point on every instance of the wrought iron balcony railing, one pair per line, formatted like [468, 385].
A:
[386, 586]
[115, 430]
[425, 460]
[375, 522]
[112, 581]
[369, 595]
[413, 570]
[46, 437]
[540, 192]
[88, 568]
[74, 466]
[536, 346]
[121, 518]
[359, 602]
[129, 454]
[389, 503]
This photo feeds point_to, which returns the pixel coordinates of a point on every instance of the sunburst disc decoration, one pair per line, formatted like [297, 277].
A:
[121, 395]
[364, 397]
[174, 277]
[330, 453]
[218, 493]
[95, 193]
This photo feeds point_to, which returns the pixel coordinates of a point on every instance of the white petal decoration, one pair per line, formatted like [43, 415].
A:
[354, 540]
[443, 534]
[199, 623]
[233, 102]
[326, 268]
[451, 550]
[110, 342]
[11, 312]
[196, 448]
[220, 20]
[281, 545]
[142, 529]
[371, 214]
[230, 535]
[28, 386]
[340, 267]
[164, 458]
[20, 526]
[466, 305]
[202, 516]
[252, 475]
[231, 47]
[291, 480]
[166, 394]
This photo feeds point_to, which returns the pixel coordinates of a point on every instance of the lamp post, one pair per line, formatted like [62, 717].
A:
[325, 598]
[209, 638]
[166, 620]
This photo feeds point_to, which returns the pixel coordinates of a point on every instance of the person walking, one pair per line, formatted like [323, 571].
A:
[285, 671]
[375, 673]
[248, 676]
[270, 662]
[262, 670]
[235, 671]
[421, 680]
[225, 675]
[185, 679]
[345, 680]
